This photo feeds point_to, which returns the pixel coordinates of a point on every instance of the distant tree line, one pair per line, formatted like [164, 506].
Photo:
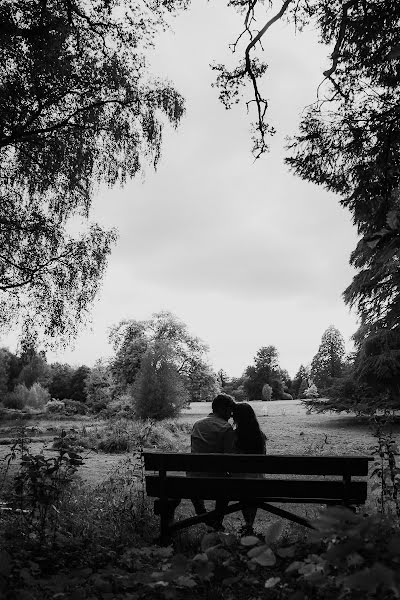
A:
[158, 367]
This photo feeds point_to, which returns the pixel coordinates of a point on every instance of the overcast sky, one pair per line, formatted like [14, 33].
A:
[245, 253]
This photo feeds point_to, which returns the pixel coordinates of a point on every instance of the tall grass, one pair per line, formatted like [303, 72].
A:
[126, 435]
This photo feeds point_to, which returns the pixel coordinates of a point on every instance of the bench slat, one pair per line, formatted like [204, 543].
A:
[278, 490]
[256, 463]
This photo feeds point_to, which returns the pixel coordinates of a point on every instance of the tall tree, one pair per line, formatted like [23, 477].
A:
[348, 142]
[100, 386]
[131, 339]
[78, 108]
[201, 382]
[60, 380]
[159, 392]
[4, 373]
[301, 376]
[327, 364]
[265, 370]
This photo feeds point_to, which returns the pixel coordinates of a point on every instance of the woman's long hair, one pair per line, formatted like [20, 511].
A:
[249, 437]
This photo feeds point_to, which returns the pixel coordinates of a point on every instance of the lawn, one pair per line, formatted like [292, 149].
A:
[289, 428]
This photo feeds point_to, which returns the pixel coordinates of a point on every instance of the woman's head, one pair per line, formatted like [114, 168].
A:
[243, 413]
[249, 437]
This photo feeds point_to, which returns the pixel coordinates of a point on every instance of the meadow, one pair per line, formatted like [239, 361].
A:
[97, 539]
[289, 427]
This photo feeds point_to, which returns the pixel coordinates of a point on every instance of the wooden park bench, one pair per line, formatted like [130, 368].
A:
[166, 480]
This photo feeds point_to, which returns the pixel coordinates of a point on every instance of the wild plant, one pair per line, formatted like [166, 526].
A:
[40, 483]
[385, 467]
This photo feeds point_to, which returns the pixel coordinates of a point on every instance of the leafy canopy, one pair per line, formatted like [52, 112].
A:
[78, 109]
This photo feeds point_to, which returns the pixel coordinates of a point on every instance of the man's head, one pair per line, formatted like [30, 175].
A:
[222, 406]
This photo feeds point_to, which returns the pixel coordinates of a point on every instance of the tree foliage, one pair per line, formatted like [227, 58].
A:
[300, 382]
[201, 382]
[348, 139]
[327, 364]
[131, 339]
[78, 108]
[265, 370]
[159, 392]
[100, 386]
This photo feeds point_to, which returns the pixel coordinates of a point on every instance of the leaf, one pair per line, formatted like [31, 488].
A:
[256, 550]
[218, 553]
[202, 558]
[392, 219]
[273, 532]
[271, 582]
[294, 566]
[287, 552]
[186, 581]
[228, 539]
[231, 580]
[354, 559]
[265, 559]
[394, 52]
[249, 540]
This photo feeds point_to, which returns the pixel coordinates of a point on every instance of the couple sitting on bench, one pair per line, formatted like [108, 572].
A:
[214, 434]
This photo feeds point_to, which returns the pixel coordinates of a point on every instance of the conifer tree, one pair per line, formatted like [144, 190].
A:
[327, 364]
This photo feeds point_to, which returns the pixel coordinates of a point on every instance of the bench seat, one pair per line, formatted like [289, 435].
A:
[303, 480]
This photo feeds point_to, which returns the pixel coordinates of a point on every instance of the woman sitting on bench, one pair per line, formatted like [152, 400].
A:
[249, 439]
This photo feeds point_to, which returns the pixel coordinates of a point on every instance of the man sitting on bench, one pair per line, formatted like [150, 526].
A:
[212, 434]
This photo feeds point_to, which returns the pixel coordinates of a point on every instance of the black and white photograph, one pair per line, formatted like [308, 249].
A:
[199, 299]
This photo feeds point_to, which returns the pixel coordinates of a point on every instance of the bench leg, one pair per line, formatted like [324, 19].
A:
[166, 510]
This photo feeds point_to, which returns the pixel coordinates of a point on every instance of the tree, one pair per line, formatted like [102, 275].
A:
[131, 339]
[348, 140]
[311, 392]
[266, 392]
[327, 364]
[300, 376]
[78, 108]
[223, 378]
[100, 386]
[265, 370]
[5, 360]
[78, 390]
[159, 392]
[68, 382]
[201, 382]
[60, 380]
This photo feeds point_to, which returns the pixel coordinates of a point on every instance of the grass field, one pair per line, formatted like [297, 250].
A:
[289, 428]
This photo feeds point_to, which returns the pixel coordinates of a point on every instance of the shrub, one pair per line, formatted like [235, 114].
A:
[125, 435]
[311, 392]
[266, 392]
[74, 407]
[18, 398]
[37, 396]
[240, 394]
[55, 406]
[121, 407]
[15, 401]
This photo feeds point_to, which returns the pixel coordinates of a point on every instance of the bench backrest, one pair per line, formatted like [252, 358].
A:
[345, 466]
